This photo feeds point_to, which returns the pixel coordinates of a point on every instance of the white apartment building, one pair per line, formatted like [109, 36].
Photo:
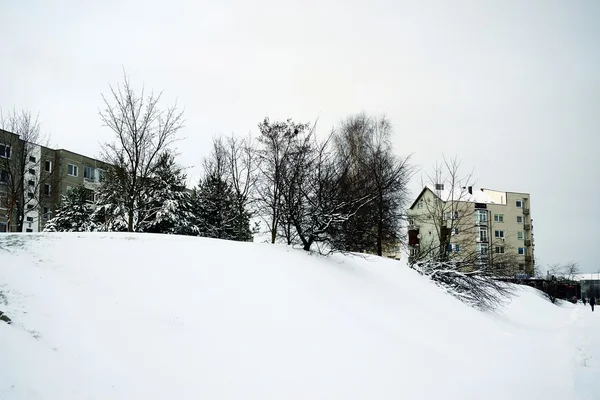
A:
[493, 227]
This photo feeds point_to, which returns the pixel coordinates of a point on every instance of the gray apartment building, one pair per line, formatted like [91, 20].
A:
[34, 178]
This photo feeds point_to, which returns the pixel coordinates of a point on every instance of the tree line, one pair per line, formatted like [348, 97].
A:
[342, 191]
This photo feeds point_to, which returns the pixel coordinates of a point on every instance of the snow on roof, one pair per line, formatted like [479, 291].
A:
[587, 277]
[458, 194]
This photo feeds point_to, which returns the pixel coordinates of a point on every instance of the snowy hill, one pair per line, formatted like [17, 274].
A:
[122, 316]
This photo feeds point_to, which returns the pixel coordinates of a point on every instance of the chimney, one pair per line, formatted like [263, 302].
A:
[470, 189]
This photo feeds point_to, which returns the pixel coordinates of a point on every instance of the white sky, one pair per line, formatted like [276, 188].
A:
[510, 87]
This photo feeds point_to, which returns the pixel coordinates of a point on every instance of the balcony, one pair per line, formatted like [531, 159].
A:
[413, 227]
[525, 211]
[527, 227]
[527, 242]
[481, 222]
[528, 259]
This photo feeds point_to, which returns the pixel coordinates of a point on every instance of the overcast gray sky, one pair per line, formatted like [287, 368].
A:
[510, 87]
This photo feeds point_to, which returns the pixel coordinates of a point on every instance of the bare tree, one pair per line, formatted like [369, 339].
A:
[364, 144]
[222, 194]
[448, 212]
[242, 173]
[276, 140]
[451, 242]
[556, 270]
[563, 271]
[21, 178]
[143, 133]
[314, 202]
[571, 269]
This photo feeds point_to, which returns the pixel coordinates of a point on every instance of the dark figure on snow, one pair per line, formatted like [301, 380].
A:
[592, 302]
[583, 299]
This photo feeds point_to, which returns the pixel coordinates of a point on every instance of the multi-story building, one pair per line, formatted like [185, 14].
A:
[483, 227]
[37, 177]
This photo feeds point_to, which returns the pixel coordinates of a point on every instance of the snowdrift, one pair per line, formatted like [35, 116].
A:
[124, 316]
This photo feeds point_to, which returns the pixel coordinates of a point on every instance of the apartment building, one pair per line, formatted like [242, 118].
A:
[37, 177]
[484, 226]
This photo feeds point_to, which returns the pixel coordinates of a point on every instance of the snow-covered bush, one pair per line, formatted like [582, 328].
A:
[74, 214]
[474, 285]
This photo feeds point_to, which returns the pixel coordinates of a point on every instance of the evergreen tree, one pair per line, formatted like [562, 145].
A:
[110, 212]
[74, 215]
[216, 211]
[167, 200]
[163, 205]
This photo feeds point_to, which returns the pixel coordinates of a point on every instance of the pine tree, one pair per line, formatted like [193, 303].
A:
[167, 200]
[216, 211]
[163, 206]
[74, 215]
[110, 212]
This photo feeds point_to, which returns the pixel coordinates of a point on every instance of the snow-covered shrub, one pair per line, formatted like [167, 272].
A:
[474, 285]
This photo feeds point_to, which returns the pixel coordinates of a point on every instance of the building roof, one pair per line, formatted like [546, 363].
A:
[586, 277]
[446, 195]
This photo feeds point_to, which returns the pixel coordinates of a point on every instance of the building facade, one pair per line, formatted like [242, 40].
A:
[487, 227]
[34, 178]
[590, 285]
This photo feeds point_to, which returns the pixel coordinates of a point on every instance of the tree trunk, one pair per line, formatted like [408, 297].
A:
[130, 221]
[308, 243]
[20, 217]
[380, 227]
[11, 212]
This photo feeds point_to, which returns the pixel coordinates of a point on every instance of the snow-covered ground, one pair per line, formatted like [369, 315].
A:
[120, 316]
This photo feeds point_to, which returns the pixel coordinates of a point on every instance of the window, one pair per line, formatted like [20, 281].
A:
[30, 195]
[32, 171]
[439, 186]
[31, 183]
[483, 235]
[482, 249]
[72, 170]
[521, 251]
[519, 203]
[32, 159]
[2, 227]
[88, 172]
[4, 177]
[519, 219]
[521, 267]
[48, 166]
[47, 214]
[520, 235]
[29, 219]
[30, 206]
[102, 176]
[499, 249]
[498, 217]
[499, 234]
[451, 215]
[4, 151]
[28, 230]
[481, 216]
[420, 204]
[456, 231]
[47, 189]
[456, 248]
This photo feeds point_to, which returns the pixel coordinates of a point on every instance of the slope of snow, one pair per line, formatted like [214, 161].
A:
[124, 316]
